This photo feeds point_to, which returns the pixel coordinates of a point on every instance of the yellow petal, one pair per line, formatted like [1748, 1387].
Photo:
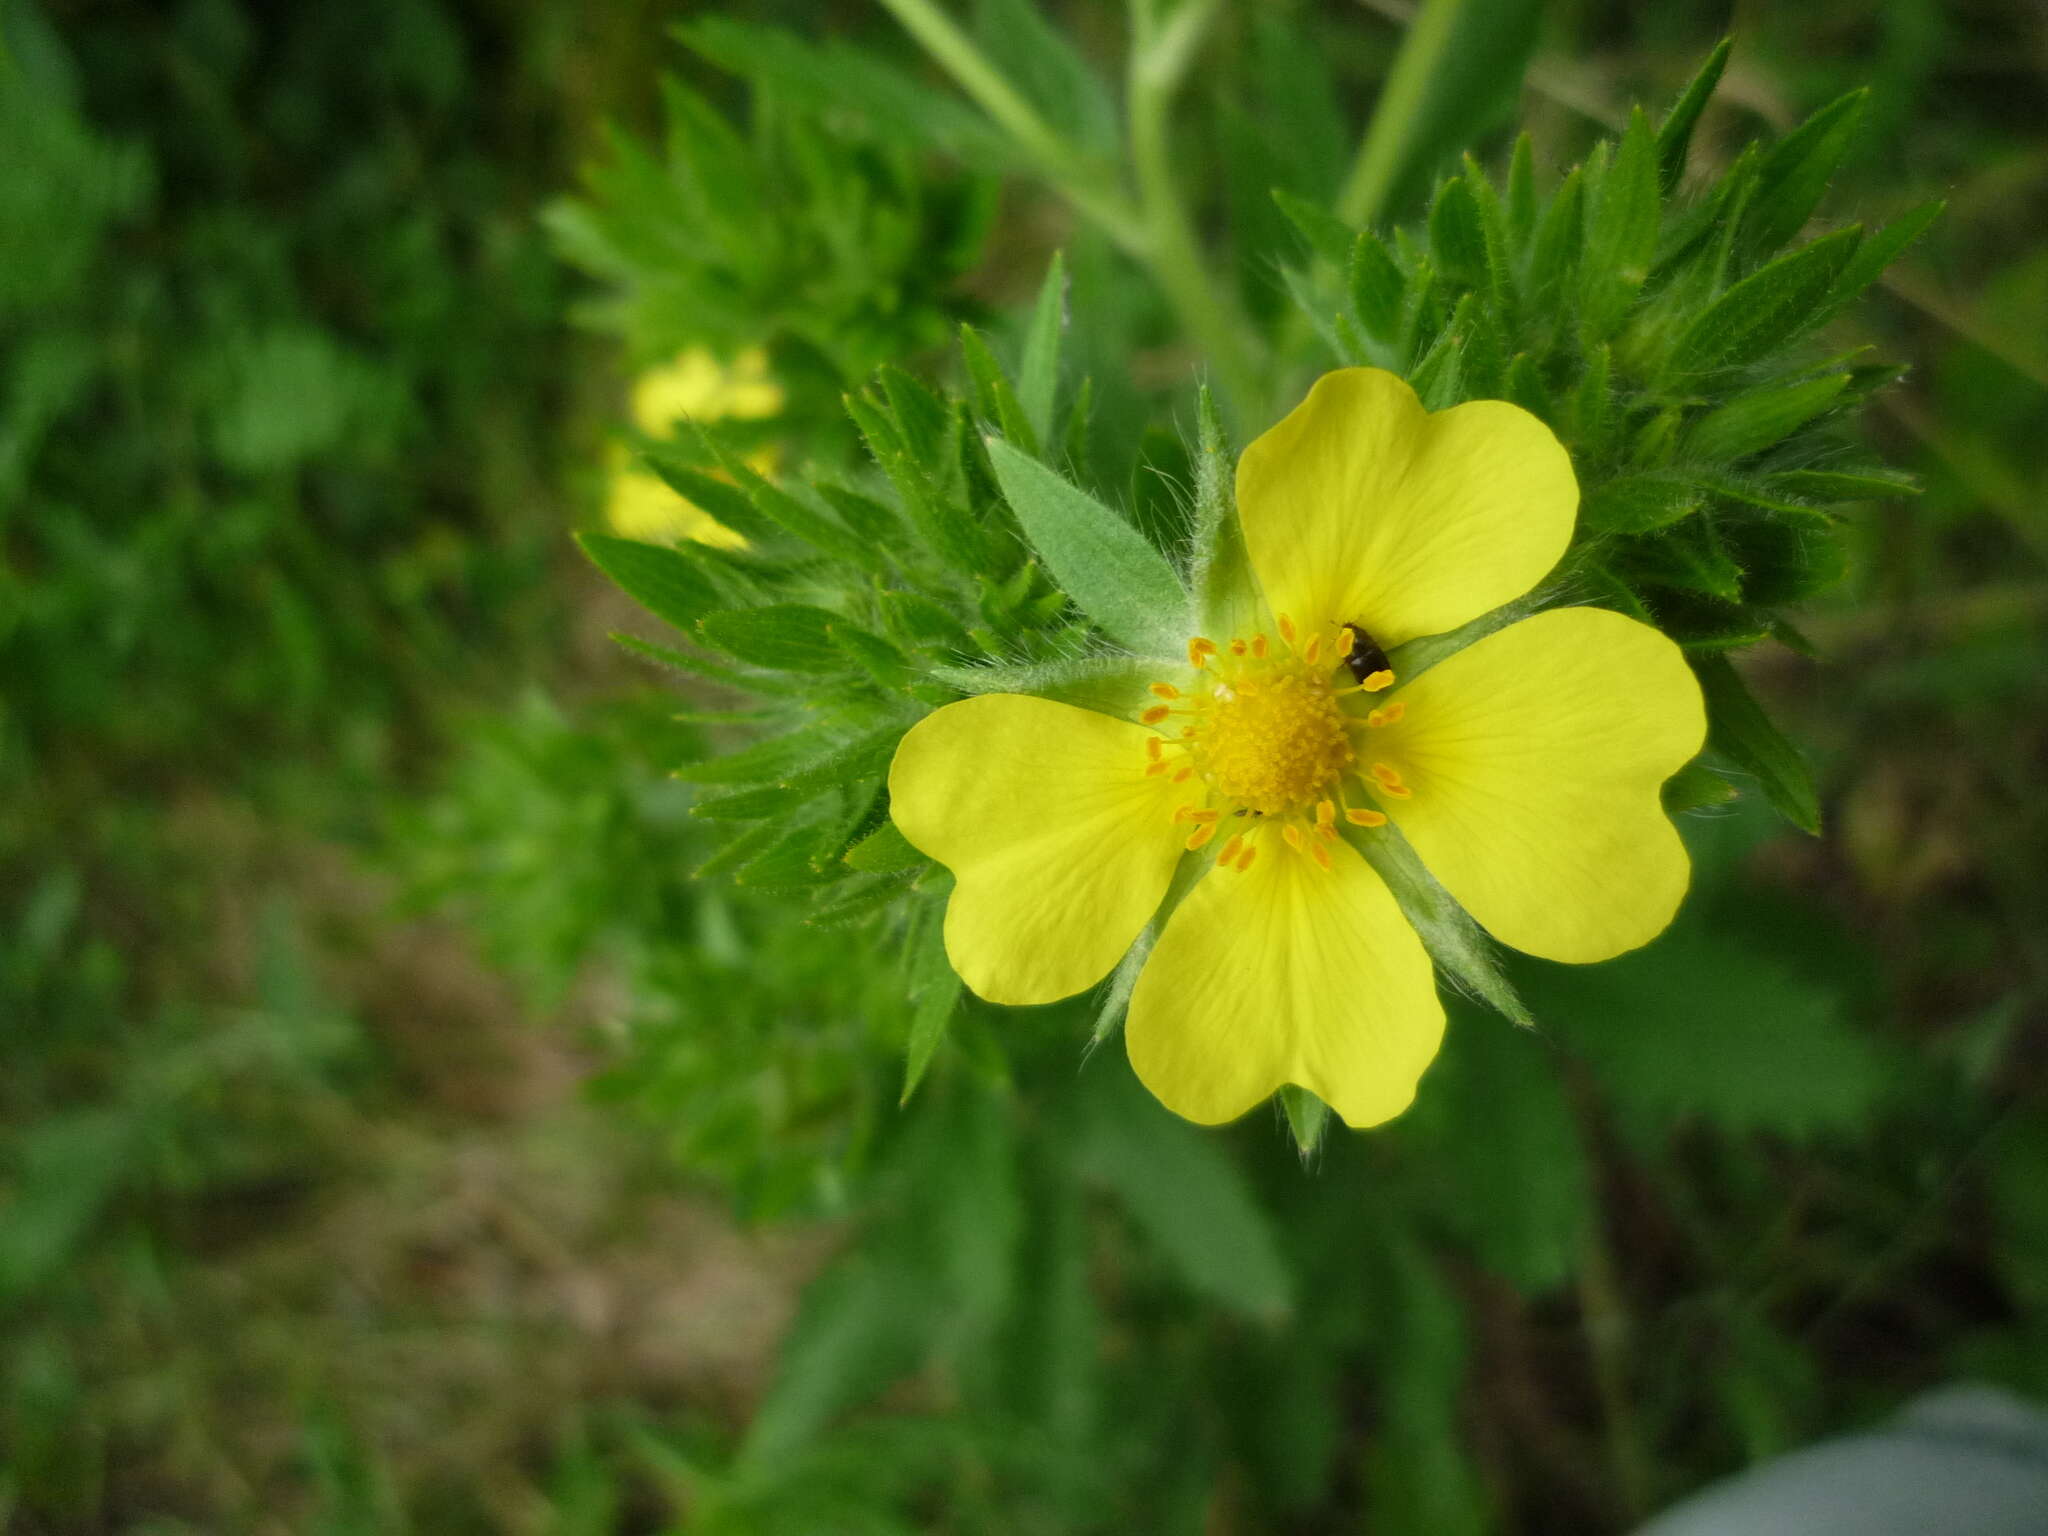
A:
[1060, 845]
[1362, 506]
[1533, 759]
[699, 387]
[1286, 973]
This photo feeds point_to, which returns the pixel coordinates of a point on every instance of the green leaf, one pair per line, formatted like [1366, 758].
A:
[1623, 205]
[728, 503]
[883, 851]
[1708, 1023]
[1739, 729]
[1502, 1168]
[1674, 136]
[1755, 421]
[821, 531]
[937, 997]
[1833, 485]
[765, 762]
[787, 637]
[1641, 503]
[1039, 374]
[1327, 235]
[1766, 309]
[1377, 288]
[1457, 242]
[994, 400]
[1554, 251]
[667, 584]
[1184, 1192]
[1521, 195]
[1877, 253]
[1795, 174]
[1111, 571]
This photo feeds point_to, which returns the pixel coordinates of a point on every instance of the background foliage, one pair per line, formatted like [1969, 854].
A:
[398, 1136]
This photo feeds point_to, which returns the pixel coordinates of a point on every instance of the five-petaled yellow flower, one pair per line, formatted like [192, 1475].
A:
[696, 386]
[1524, 769]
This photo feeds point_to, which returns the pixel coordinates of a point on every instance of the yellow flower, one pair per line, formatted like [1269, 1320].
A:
[695, 387]
[1524, 769]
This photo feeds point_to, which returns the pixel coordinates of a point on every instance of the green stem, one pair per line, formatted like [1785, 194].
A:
[1389, 137]
[1087, 186]
[1159, 60]
[1607, 1338]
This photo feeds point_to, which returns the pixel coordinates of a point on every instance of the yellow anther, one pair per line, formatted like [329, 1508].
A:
[1244, 860]
[1164, 691]
[1320, 854]
[1388, 715]
[1237, 647]
[1378, 680]
[1326, 813]
[1155, 714]
[1365, 818]
[1230, 850]
[1184, 775]
[1199, 652]
[1293, 835]
[1385, 774]
[1190, 813]
[1201, 835]
[1154, 748]
[1153, 770]
[1286, 629]
[1347, 638]
[1259, 646]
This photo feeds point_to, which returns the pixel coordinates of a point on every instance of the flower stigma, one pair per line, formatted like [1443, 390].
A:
[1263, 736]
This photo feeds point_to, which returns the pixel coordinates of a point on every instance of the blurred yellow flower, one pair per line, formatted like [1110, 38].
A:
[1524, 769]
[695, 387]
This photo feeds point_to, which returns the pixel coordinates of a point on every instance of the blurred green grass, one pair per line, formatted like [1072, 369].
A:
[333, 843]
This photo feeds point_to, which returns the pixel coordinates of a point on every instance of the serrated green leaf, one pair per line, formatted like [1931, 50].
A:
[1739, 729]
[1377, 286]
[881, 661]
[1795, 174]
[1111, 571]
[788, 637]
[1877, 253]
[764, 803]
[764, 762]
[725, 502]
[1835, 485]
[1039, 374]
[1554, 251]
[1438, 377]
[1755, 421]
[1521, 195]
[667, 584]
[798, 519]
[869, 519]
[1184, 1193]
[1766, 309]
[1785, 559]
[1674, 135]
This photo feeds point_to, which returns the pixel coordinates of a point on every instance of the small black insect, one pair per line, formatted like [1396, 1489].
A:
[1365, 656]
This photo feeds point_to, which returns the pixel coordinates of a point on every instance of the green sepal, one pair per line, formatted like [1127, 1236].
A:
[1308, 1118]
[1377, 288]
[1455, 942]
[666, 583]
[1739, 729]
[884, 851]
[1696, 787]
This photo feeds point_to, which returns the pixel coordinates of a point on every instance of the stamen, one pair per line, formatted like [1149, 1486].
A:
[1237, 647]
[1199, 652]
[1348, 639]
[1326, 831]
[1359, 818]
[1292, 834]
[1375, 681]
[1189, 813]
[1286, 629]
[1153, 770]
[1390, 781]
[1312, 650]
[1326, 813]
[1154, 748]
[1230, 850]
[1244, 860]
[1184, 775]
[1155, 714]
[1164, 691]
[1388, 715]
[1201, 835]
[1259, 646]
[1321, 855]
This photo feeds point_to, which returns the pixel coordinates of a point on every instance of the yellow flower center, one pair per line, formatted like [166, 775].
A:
[1263, 733]
[1273, 739]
